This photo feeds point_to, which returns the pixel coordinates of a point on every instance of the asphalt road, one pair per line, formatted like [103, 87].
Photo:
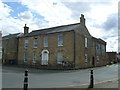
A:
[13, 77]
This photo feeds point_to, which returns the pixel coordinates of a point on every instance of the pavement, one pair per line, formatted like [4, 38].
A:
[113, 83]
[105, 85]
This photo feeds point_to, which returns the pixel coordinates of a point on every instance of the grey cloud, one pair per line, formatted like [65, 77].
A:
[81, 7]
[77, 8]
[111, 22]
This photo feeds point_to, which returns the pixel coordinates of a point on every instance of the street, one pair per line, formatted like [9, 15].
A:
[13, 77]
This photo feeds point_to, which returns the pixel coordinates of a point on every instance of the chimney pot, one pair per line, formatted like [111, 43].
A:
[82, 20]
[26, 29]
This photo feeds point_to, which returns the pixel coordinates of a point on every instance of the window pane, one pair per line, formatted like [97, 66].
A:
[60, 40]
[25, 57]
[86, 58]
[46, 41]
[60, 57]
[26, 44]
[86, 42]
[35, 42]
[34, 58]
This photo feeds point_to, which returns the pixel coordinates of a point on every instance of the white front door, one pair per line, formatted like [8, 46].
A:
[45, 57]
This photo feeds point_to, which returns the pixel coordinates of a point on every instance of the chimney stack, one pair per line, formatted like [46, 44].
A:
[82, 20]
[26, 29]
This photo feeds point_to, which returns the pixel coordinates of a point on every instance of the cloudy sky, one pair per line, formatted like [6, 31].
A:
[101, 16]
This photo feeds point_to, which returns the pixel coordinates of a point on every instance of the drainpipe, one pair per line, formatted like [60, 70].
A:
[74, 47]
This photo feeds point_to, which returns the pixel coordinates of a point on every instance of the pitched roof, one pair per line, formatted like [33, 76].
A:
[11, 35]
[99, 40]
[62, 28]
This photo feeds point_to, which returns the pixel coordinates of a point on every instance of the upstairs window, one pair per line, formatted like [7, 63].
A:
[86, 58]
[26, 44]
[46, 41]
[60, 40]
[35, 43]
[25, 57]
[34, 58]
[86, 42]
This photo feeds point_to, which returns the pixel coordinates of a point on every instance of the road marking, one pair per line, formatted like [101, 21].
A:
[87, 83]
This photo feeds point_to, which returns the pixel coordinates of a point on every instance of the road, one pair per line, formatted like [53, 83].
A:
[12, 77]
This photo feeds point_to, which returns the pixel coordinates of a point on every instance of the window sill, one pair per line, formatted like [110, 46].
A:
[60, 45]
[34, 47]
[46, 47]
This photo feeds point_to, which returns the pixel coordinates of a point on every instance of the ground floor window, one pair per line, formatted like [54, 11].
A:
[34, 58]
[86, 58]
[60, 57]
[25, 57]
[97, 59]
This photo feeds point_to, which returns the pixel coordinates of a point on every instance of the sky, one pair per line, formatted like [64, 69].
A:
[101, 16]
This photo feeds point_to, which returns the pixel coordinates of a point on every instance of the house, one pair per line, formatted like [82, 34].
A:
[10, 48]
[66, 46]
[61, 46]
[111, 57]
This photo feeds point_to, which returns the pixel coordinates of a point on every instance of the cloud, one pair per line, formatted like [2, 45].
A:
[57, 14]
[111, 22]
[99, 16]
[26, 15]
[5, 10]
[77, 8]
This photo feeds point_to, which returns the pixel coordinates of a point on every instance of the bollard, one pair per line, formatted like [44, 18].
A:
[26, 80]
[91, 79]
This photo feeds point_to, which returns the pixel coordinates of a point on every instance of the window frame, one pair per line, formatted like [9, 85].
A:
[60, 59]
[34, 57]
[86, 42]
[45, 41]
[60, 40]
[25, 57]
[26, 43]
[35, 43]
[86, 58]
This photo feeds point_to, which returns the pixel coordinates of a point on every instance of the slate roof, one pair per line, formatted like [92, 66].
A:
[11, 35]
[62, 28]
[99, 40]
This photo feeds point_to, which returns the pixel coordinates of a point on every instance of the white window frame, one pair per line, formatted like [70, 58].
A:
[25, 43]
[86, 58]
[60, 40]
[25, 57]
[34, 57]
[46, 41]
[35, 42]
[60, 60]
[86, 42]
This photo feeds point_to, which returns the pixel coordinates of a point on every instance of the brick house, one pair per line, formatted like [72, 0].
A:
[10, 48]
[111, 57]
[61, 46]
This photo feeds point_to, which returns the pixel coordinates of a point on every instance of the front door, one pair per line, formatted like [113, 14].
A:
[45, 57]
[93, 61]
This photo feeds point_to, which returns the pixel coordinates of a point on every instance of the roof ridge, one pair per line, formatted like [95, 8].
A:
[55, 27]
